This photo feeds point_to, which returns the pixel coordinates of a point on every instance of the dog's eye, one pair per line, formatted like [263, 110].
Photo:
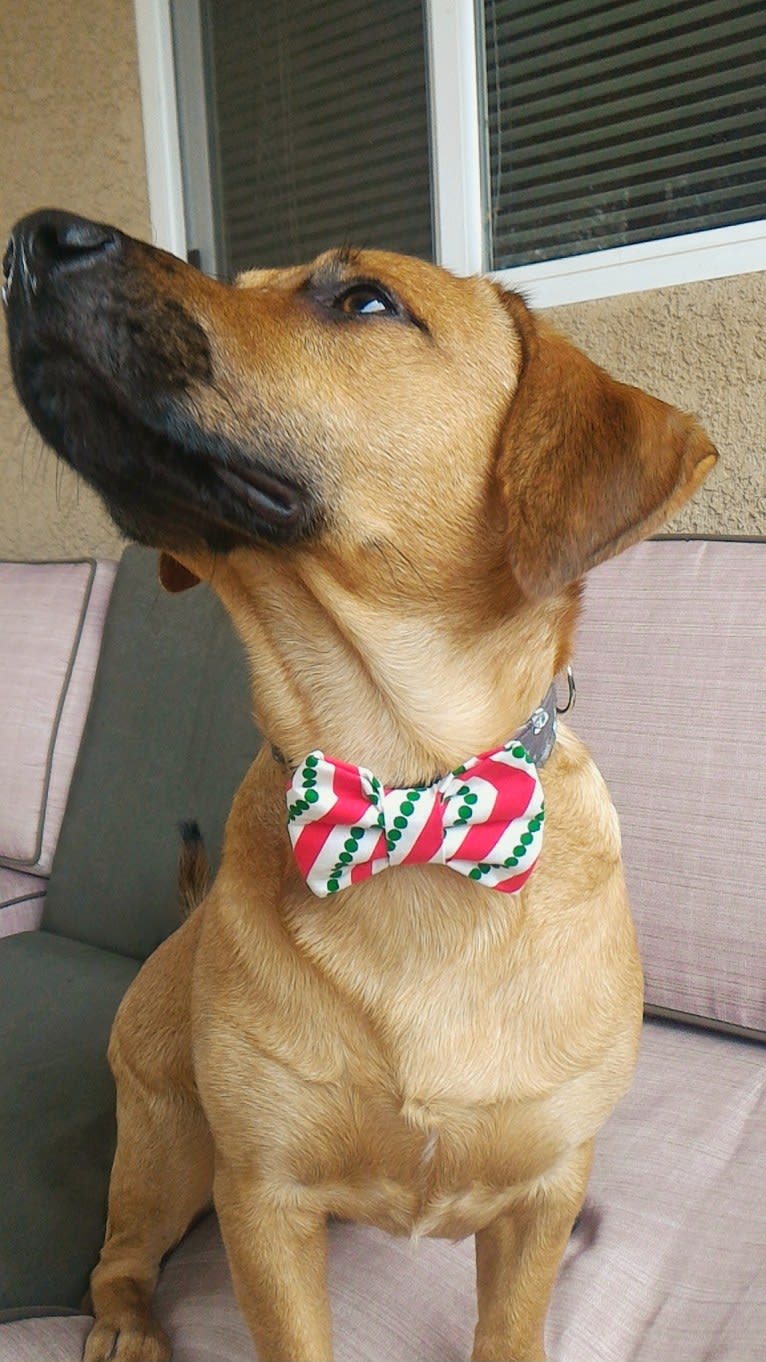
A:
[366, 300]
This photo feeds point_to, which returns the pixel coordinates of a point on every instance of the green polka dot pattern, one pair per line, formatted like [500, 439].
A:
[484, 820]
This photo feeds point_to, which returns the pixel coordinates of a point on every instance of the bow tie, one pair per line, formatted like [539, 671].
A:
[484, 819]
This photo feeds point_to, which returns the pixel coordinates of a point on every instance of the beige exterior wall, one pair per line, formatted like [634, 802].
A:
[72, 138]
[71, 114]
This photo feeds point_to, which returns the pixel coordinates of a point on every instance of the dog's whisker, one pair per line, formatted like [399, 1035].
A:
[32, 445]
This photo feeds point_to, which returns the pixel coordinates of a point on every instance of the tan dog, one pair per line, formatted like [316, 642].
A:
[394, 479]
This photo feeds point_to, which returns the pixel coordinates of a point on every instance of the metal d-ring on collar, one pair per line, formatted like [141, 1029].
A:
[572, 696]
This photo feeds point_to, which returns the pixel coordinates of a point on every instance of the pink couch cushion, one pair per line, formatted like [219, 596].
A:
[671, 673]
[51, 619]
[21, 901]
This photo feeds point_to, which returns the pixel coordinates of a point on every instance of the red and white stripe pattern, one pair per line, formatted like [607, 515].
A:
[485, 820]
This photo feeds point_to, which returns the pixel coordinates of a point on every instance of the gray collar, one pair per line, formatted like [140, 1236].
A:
[538, 734]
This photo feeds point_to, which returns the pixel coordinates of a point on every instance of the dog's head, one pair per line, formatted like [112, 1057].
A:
[366, 402]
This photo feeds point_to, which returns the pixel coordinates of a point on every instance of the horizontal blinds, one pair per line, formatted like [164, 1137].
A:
[617, 121]
[320, 127]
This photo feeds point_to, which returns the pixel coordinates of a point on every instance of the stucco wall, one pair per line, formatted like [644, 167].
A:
[703, 348]
[71, 115]
[72, 138]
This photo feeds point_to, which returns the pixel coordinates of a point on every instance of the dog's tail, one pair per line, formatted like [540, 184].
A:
[193, 867]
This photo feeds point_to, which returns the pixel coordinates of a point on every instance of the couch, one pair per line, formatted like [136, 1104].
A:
[125, 711]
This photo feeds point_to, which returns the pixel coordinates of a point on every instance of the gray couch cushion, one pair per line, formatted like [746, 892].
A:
[57, 1001]
[168, 736]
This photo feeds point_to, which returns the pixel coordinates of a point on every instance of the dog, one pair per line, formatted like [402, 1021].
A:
[395, 480]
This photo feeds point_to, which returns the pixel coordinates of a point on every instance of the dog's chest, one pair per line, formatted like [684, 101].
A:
[444, 1012]
[457, 1138]
[457, 1073]
[442, 980]
[434, 1165]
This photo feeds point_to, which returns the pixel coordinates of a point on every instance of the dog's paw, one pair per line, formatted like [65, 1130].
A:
[110, 1341]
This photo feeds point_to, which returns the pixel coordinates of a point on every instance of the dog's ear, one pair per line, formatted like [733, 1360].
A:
[587, 465]
[174, 576]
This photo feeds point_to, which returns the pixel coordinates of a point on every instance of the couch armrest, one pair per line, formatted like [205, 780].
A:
[51, 622]
[21, 901]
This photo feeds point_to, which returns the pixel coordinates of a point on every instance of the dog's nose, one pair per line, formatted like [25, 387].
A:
[51, 240]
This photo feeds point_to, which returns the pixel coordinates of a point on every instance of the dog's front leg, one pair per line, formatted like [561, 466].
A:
[517, 1258]
[277, 1254]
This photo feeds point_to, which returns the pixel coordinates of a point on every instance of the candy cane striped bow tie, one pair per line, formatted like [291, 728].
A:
[484, 819]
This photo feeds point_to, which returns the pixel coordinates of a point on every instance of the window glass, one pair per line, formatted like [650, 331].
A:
[611, 122]
[318, 127]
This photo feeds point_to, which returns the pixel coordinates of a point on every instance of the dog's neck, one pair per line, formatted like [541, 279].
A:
[409, 691]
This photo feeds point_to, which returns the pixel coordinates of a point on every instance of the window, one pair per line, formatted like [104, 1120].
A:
[317, 129]
[575, 147]
[618, 122]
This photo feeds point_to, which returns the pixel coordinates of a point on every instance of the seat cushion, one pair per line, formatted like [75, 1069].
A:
[668, 1262]
[51, 620]
[672, 703]
[169, 735]
[57, 1002]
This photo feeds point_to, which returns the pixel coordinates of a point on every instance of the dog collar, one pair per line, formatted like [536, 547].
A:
[484, 819]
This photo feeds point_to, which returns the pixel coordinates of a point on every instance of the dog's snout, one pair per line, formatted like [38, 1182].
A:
[49, 241]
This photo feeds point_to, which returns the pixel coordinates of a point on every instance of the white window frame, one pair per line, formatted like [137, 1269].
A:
[458, 178]
[162, 144]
